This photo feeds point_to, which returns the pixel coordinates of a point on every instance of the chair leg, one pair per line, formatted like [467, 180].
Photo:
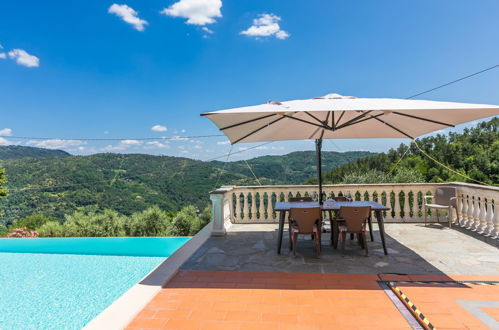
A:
[351, 237]
[425, 215]
[449, 216]
[295, 243]
[369, 222]
[365, 243]
[290, 236]
[317, 245]
[343, 239]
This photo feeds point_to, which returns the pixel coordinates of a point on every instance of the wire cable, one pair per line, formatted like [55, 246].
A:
[223, 167]
[447, 167]
[173, 138]
[252, 172]
[454, 81]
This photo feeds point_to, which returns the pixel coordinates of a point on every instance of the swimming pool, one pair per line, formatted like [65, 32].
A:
[64, 283]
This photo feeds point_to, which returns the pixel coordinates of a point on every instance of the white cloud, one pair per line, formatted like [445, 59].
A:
[197, 146]
[178, 138]
[159, 128]
[197, 12]
[223, 142]
[129, 15]
[156, 145]
[55, 143]
[3, 56]
[131, 142]
[183, 131]
[23, 58]
[205, 29]
[266, 25]
[5, 142]
[6, 132]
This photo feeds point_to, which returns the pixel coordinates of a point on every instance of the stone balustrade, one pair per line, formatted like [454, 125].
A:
[477, 204]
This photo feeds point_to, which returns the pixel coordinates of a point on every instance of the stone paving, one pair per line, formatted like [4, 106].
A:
[412, 249]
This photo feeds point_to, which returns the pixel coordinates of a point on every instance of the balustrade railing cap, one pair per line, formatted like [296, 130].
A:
[222, 190]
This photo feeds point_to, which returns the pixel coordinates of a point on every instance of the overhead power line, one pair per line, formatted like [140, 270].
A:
[174, 138]
[454, 81]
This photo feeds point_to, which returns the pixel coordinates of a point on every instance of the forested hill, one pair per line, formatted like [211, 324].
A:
[56, 186]
[10, 152]
[474, 153]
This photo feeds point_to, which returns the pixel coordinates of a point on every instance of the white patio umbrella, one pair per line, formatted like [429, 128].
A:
[343, 117]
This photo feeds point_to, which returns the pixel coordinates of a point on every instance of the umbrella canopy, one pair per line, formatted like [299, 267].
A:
[344, 117]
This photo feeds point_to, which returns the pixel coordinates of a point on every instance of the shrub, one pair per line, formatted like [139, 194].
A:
[150, 222]
[22, 233]
[107, 224]
[32, 222]
[51, 229]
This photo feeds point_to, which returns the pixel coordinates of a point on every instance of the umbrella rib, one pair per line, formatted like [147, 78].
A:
[306, 121]
[338, 121]
[332, 119]
[363, 120]
[421, 118]
[314, 117]
[247, 121]
[353, 120]
[393, 127]
[258, 129]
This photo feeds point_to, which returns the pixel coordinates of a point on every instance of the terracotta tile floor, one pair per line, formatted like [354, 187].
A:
[245, 300]
[239, 300]
[442, 303]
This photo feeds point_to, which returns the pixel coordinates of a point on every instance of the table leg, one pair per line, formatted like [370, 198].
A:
[381, 225]
[334, 230]
[282, 215]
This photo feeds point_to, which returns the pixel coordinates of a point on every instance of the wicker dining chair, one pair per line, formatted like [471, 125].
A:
[306, 221]
[355, 219]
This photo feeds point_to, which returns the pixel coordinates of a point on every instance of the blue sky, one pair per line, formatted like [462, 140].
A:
[106, 69]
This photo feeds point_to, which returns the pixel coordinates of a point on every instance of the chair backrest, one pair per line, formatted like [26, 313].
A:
[341, 199]
[443, 196]
[301, 199]
[355, 216]
[305, 218]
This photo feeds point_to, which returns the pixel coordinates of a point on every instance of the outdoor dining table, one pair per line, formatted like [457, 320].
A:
[330, 205]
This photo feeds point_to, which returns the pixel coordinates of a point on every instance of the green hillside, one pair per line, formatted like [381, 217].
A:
[10, 152]
[129, 183]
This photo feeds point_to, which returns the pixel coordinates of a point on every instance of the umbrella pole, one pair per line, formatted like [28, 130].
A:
[318, 147]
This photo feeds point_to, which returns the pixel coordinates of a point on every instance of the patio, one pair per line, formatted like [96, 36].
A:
[236, 280]
[412, 249]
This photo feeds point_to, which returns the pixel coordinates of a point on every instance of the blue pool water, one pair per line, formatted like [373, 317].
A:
[70, 282]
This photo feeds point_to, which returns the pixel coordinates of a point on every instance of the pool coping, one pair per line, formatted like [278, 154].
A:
[123, 310]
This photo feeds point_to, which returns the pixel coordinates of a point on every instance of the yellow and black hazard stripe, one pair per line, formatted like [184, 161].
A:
[449, 282]
[422, 320]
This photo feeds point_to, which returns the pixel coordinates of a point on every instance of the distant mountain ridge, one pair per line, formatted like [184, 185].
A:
[55, 183]
[13, 151]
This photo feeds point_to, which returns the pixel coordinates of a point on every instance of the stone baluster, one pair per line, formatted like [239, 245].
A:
[496, 219]
[396, 207]
[246, 208]
[459, 217]
[489, 218]
[407, 208]
[482, 215]
[266, 214]
[253, 206]
[237, 215]
[476, 213]
[261, 207]
[464, 210]
[470, 212]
